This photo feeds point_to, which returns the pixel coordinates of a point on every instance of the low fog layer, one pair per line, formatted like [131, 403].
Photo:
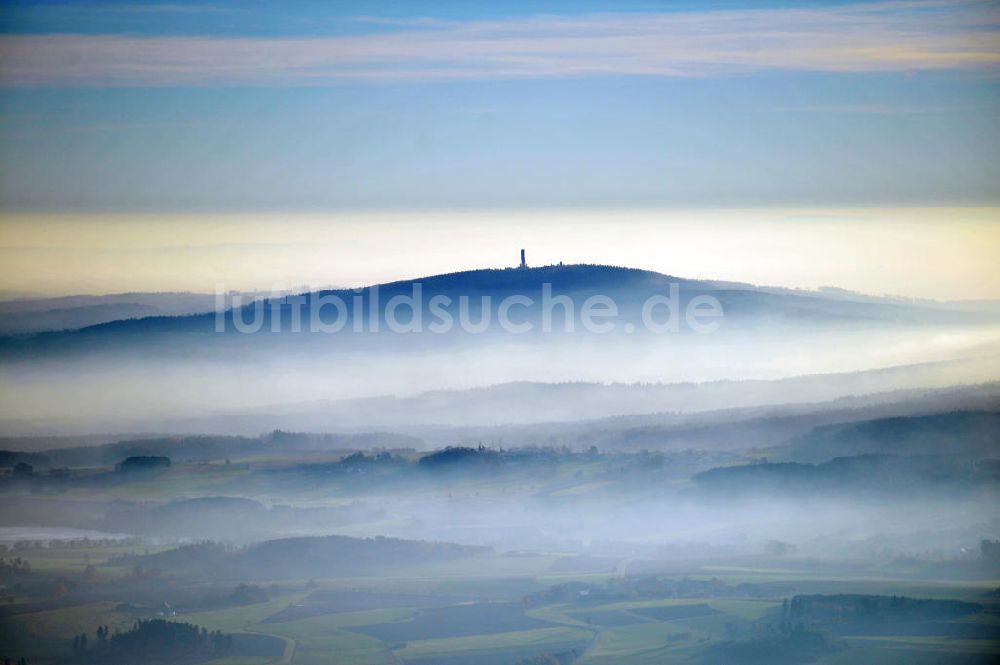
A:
[910, 474]
[249, 390]
[178, 374]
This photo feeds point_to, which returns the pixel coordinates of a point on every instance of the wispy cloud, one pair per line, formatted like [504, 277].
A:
[878, 37]
[884, 109]
[161, 9]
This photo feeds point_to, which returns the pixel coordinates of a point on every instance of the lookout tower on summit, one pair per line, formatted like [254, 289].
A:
[523, 263]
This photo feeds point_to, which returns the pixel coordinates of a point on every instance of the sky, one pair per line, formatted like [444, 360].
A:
[321, 117]
[940, 253]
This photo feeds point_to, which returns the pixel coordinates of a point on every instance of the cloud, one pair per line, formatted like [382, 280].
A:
[884, 109]
[877, 37]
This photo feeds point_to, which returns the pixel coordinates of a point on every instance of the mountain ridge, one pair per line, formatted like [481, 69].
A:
[626, 284]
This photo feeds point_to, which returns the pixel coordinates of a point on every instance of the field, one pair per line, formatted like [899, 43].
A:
[508, 594]
[480, 614]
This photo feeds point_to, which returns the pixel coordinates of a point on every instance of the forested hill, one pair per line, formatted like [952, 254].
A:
[286, 558]
[629, 288]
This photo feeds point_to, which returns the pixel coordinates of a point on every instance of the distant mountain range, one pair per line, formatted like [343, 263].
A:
[179, 374]
[187, 312]
[32, 315]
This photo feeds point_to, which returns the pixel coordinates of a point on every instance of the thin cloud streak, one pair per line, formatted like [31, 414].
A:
[879, 37]
[882, 109]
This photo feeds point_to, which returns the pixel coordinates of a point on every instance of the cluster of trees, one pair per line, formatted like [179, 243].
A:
[143, 463]
[840, 607]
[11, 568]
[393, 464]
[362, 463]
[873, 473]
[200, 448]
[454, 456]
[559, 658]
[103, 635]
[153, 639]
[71, 544]
[80, 641]
[468, 457]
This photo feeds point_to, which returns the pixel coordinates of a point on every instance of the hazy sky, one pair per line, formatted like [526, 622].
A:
[944, 253]
[272, 124]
